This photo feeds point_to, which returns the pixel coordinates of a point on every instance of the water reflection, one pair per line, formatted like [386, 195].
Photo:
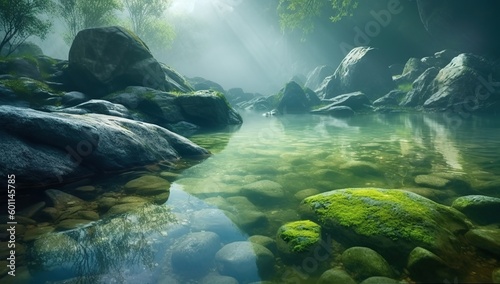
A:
[254, 183]
[137, 246]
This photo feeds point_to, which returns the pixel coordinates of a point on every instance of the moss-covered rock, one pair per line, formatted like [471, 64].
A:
[299, 237]
[390, 220]
[479, 208]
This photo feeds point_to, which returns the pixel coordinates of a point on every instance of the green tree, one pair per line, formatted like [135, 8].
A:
[20, 19]
[80, 15]
[301, 14]
[147, 21]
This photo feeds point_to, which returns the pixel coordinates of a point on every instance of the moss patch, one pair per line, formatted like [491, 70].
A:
[405, 87]
[394, 214]
[300, 236]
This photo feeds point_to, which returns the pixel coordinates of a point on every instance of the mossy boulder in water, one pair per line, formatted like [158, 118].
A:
[479, 208]
[299, 237]
[389, 220]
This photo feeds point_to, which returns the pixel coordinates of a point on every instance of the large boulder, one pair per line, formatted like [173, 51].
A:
[391, 221]
[293, 100]
[420, 89]
[357, 101]
[107, 59]
[316, 76]
[208, 109]
[363, 69]
[78, 145]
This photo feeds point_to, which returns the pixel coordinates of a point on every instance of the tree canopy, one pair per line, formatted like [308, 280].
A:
[79, 15]
[301, 14]
[20, 19]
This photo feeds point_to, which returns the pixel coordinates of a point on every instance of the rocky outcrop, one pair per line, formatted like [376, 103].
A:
[317, 76]
[76, 146]
[363, 69]
[107, 59]
[356, 101]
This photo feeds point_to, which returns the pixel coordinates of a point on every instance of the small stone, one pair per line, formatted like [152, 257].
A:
[487, 239]
[335, 275]
[69, 224]
[147, 185]
[123, 208]
[263, 191]
[431, 181]
[479, 208]
[306, 193]
[265, 241]
[61, 200]
[424, 266]
[380, 280]
[35, 233]
[361, 168]
[50, 213]
[297, 238]
[363, 262]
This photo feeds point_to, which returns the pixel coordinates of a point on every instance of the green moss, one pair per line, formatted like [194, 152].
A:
[370, 212]
[300, 235]
[26, 89]
[405, 87]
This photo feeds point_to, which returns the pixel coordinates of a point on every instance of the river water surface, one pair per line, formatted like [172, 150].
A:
[304, 154]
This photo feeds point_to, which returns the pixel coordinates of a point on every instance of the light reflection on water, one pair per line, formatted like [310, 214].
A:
[298, 153]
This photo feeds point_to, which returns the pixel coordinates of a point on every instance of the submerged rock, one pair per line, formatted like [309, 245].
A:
[364, 262]
[298, 238]
[148, 185]
[392, 221]
[194, 253]
[335, 275]
[263, 191]
[479, 208]
[424, 266]
[245, 261]
[486, 239]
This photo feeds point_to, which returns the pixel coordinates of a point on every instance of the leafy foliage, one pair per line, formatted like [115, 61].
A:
[20, 19]
[146, 21]
[301, 14]
[80, 15]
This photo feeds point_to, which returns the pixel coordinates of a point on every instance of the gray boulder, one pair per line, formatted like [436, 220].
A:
[335, 275]
[420, 89]
[468, 83]
[100, 107]
[208, 109]
[293, 100]
[106, 59]
[363, 69]
[78, 145]
[393, 98]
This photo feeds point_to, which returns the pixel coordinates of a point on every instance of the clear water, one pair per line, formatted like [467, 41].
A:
[299, 152]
